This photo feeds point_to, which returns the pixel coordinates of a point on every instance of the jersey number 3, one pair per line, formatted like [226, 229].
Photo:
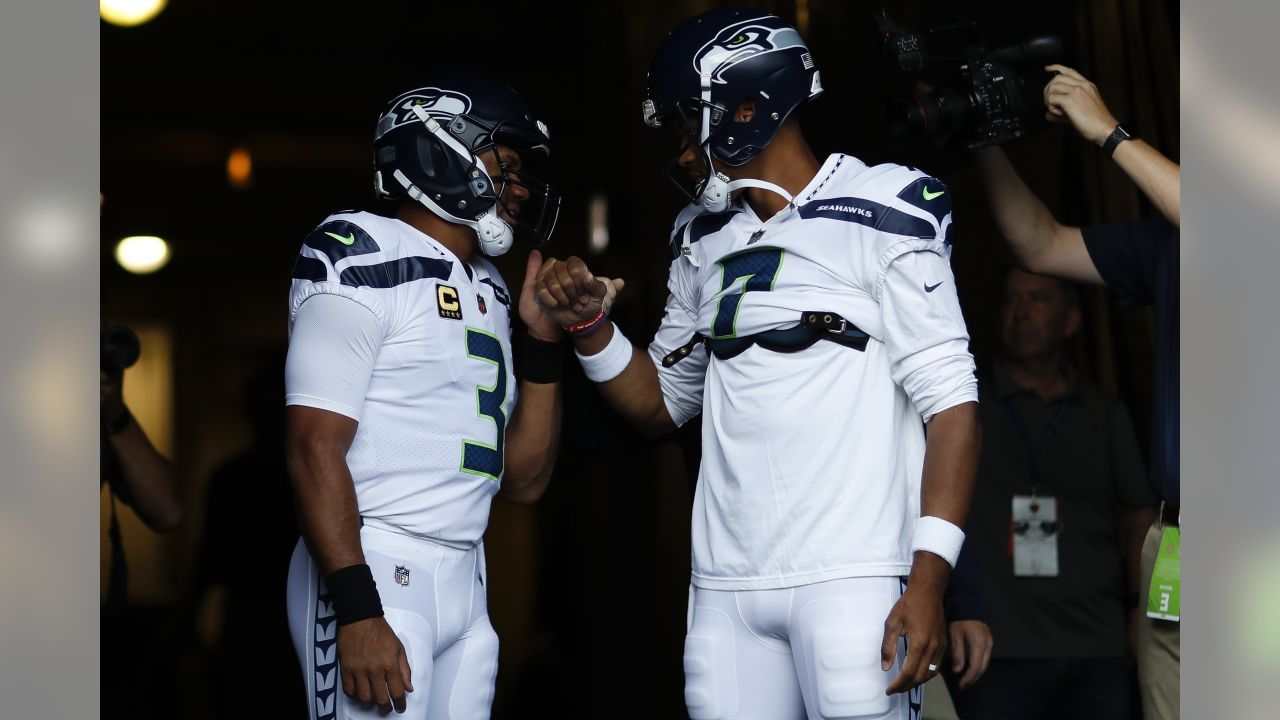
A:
[759, 267]
[477, 457]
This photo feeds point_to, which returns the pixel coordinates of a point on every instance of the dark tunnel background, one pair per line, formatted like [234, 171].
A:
[588, 589]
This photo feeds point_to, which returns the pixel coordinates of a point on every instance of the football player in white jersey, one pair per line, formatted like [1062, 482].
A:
[405, 414]
[813, 321]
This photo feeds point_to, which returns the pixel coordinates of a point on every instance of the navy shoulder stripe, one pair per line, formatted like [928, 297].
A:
[340, 239]
[396, 272]
[705, 225]
[929, 194]
[498, 292]
[700, 227]
[309, 268]
[869, 213]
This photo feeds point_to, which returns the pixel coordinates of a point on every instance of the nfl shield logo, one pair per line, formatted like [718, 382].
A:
[484, 310]
[402, 575]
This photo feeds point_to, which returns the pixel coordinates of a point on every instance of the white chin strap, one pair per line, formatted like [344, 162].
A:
[496, 236]
[717, 191]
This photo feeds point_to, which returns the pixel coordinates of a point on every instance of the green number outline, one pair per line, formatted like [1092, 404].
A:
[499, 364]
[733, 331]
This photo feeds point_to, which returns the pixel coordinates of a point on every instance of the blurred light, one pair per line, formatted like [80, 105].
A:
[47, 400]
[47, 232]
[142, 254]
[128, 13]
[598, 221]
[1257, 623]
[1249, 141]
[239, 168]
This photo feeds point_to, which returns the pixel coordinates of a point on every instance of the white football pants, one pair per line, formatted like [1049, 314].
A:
[434, 599]
[783, 654]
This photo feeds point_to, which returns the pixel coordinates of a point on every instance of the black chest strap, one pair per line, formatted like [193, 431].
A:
[814, 325]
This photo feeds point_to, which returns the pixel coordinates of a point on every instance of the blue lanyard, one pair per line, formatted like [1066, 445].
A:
[1034, 448]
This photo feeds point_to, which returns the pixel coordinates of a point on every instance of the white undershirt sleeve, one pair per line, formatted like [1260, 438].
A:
[925, 333]
[682, 384]
[332, 348]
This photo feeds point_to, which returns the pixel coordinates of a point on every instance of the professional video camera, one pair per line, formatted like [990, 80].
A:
[983, 97]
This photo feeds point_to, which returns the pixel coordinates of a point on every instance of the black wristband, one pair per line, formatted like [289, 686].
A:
[354, 594]
[540, 361]
[117, 424]
[1121, 133]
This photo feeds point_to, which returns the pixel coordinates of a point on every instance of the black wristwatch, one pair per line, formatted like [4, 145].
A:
[1120, 134]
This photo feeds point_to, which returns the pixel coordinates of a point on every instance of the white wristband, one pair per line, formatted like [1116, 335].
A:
[938, 537]
[609, 362]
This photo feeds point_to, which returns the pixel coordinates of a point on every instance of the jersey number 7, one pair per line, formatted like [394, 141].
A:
[759, 267]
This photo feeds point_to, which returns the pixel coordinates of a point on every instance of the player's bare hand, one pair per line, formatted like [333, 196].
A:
[970, 649]
[541, 325]
[374, 666]
[1070, 97]
[570, 293]
[918, 616]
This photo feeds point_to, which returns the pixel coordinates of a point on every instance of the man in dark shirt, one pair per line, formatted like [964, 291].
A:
[136, 473]
[1059, 595]
[1139, 261]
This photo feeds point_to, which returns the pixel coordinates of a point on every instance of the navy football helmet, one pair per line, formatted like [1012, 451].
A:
[428, 146]
[707, 67]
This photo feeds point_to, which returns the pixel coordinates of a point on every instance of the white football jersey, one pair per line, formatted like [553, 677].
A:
[812, 460]
[427, 456]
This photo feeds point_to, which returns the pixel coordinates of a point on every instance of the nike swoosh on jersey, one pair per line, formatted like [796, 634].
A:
[930, 195]
[340, 239]
[931, 288]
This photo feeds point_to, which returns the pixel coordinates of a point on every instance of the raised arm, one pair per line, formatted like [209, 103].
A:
[635, 393]
[1041, 243]
[573, 296]
[150, 481]
[533, 435]
[1071, 97]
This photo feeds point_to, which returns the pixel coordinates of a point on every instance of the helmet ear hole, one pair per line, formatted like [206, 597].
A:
[432, 157]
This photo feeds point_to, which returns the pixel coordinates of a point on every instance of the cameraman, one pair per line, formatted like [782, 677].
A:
[135, 471]
[138, 474]
[1139, 262]
[144, 479]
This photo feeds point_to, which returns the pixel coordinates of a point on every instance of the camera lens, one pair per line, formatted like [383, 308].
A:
[120, 348]
[926, 115]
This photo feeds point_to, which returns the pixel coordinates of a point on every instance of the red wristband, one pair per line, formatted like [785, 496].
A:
[587, 327]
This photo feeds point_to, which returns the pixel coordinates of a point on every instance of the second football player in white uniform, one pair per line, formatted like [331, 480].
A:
[405, 413]
[813, 320]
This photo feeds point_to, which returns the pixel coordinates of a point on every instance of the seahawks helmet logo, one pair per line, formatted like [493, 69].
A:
[438, 103]
[743, 40]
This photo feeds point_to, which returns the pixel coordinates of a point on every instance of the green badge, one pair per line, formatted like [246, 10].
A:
[1166, 580]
